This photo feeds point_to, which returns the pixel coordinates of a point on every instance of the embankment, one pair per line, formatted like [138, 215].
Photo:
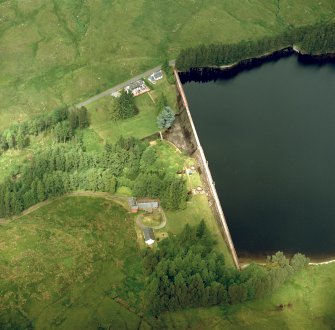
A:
[194, 148]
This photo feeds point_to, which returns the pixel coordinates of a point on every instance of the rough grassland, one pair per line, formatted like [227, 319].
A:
[75, 264]
[59, 52]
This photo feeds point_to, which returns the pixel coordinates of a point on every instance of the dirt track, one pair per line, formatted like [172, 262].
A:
[118, 199]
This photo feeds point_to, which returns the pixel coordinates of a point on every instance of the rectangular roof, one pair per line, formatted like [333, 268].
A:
[136, 84]
[158, 74]
[148, 233]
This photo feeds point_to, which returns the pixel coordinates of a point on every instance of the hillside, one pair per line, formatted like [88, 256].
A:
[60, 52]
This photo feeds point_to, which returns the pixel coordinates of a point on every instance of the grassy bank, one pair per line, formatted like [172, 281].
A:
[60, 52]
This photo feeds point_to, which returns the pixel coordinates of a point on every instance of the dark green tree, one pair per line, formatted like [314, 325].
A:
[124, 106]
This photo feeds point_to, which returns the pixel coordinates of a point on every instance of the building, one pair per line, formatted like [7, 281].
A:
[144, 204]
[133, 205]
[149, 236]
[147, 204]
[158, 75]
[136, 88]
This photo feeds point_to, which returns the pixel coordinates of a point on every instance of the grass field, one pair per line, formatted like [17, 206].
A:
[60, 52]
[75, 264]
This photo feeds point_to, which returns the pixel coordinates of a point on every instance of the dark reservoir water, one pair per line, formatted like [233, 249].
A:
[269, 136]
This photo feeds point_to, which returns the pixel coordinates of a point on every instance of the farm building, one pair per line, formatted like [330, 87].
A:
[149, 236]
[144, 204]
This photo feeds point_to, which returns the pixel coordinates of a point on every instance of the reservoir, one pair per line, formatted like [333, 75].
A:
[269, 137]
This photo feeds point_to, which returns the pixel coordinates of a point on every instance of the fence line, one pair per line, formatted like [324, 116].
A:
[214, 194]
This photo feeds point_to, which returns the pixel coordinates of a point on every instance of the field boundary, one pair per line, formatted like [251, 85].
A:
[208, 176]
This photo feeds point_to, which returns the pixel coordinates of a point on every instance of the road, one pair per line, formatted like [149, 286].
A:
[122, 85]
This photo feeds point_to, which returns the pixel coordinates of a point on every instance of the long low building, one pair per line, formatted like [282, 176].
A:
[145, 204]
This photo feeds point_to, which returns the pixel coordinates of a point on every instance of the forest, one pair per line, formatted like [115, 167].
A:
[67, 167]
[314, 40]
[186, 271]
[63, 122]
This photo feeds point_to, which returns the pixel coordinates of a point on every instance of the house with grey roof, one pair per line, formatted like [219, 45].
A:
[137, 87]
[158, 75]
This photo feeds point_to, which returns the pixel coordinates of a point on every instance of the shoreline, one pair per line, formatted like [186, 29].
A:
[314, 260]
[228, 71]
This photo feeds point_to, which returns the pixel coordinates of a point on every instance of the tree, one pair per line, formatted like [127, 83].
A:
[148, 158]
[82, 117]
[168, 72]
[166, 118]
[299, 261]
[124, 106]
[62, 131]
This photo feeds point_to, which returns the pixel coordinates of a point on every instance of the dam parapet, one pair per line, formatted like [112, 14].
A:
[187, 139]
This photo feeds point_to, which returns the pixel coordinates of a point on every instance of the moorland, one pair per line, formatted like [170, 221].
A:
[78, 261]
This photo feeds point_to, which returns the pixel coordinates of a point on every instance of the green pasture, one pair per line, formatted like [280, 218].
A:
[60, 52]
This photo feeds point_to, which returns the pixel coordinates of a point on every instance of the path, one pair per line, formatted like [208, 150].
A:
[122, 200]
[120, 86]
[140, 224]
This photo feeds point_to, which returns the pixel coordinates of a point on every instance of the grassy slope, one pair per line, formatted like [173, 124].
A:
[59, 52]
[72, 264]
[311, 294]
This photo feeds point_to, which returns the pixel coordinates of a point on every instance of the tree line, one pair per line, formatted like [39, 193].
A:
[62, 121]
[315, 39]
[187, 272]
[65, 168]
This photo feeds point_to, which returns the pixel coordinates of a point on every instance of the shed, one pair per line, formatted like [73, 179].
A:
[149, 236]
[147, 204]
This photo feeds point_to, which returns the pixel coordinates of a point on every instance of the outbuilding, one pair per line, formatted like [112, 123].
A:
[149, 236]
[147, 204]
[158, 75]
